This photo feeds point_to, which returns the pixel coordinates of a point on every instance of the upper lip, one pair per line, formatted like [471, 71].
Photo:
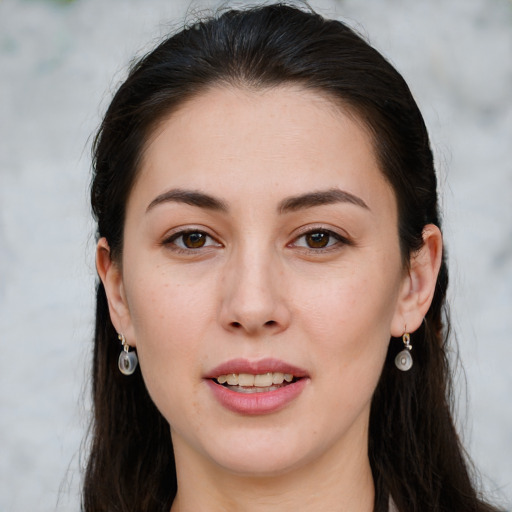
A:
[268, 365]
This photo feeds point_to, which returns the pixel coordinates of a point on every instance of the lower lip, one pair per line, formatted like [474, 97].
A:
[257, 403]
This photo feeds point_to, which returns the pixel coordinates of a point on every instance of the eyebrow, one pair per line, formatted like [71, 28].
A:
[290, 204]
[191, 197]
[320, 198]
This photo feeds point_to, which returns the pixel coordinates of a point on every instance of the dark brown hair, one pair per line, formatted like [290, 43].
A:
[414, 449]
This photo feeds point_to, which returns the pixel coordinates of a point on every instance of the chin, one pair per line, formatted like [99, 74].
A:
[261, 456]
[266, 466]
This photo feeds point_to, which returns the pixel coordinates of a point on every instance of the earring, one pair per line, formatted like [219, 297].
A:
[403, 361]
[127, 362]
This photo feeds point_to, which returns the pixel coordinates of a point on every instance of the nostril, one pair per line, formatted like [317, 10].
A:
[238, 325]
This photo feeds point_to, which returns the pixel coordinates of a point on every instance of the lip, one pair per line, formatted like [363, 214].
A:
[256, 403]
[255, 367]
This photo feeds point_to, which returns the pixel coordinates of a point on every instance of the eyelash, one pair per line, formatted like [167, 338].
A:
[182, 248]
[334, 240]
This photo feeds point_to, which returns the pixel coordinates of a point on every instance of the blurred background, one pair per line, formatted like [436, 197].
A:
[60, 62]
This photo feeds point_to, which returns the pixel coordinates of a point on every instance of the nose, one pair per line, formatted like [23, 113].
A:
[254, 300]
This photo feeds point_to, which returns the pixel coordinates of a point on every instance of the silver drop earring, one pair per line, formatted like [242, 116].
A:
[127, 362]
[403, 360]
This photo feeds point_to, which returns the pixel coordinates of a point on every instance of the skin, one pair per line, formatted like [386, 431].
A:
[255, 289]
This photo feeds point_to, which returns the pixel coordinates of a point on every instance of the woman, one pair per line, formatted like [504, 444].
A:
[270, 329]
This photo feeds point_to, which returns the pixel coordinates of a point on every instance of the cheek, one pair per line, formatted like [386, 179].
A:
[169, 322]
[350, 316]
[169, 318]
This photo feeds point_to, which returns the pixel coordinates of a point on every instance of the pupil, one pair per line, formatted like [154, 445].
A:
[194, 240]
[317, 240]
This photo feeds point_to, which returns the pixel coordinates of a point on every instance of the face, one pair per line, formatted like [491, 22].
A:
[261, 247]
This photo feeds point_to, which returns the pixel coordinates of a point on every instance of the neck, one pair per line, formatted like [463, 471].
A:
[335, 483]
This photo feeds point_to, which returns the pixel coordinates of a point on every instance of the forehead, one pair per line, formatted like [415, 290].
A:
[284, 139]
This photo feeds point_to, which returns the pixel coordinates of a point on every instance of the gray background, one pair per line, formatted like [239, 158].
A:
[60, 63]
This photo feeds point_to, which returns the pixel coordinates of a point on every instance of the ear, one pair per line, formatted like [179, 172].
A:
[419, 284]
[112, 279]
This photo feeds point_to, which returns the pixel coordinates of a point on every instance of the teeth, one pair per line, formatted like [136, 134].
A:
[277, 378]
[262, 380]
[246, 380]
[232, 379]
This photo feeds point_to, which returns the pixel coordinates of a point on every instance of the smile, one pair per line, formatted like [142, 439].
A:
[254, 388]
[260, 383]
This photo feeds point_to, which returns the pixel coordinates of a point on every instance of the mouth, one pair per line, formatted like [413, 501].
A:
[257, 387]
[255, 383]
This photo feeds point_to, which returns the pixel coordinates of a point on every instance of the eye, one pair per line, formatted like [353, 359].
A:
[318, 239]
[190, 240]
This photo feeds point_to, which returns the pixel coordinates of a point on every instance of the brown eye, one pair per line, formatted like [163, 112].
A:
[194, 240]
[191, 240]
[317, 240]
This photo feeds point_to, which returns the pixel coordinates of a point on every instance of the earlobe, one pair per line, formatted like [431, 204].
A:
[112, 279]
[420, 283]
